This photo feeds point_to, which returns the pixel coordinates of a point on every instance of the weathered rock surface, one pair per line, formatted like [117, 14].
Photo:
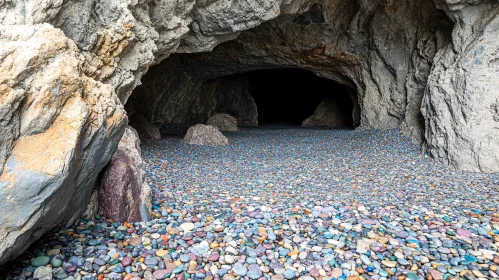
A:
[209, 135]
[144, 128]
[330, 113]
[59, 129]
[124, 194]
[388, 73]
[224, 122]
[461, 102]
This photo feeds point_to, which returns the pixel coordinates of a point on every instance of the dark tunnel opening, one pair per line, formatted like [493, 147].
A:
[290, 96]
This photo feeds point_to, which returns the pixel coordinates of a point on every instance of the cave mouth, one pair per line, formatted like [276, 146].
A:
[176, 95]
[291, 95]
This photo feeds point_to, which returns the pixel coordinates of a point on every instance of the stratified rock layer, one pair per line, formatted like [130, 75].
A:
[209, 135]
[123, 193]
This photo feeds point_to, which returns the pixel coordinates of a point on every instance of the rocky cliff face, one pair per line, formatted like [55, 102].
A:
[67, 67]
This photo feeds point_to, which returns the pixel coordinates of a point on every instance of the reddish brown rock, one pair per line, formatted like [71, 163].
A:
[123, 193]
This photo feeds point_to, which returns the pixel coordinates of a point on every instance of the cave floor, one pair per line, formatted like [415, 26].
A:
[281, 202]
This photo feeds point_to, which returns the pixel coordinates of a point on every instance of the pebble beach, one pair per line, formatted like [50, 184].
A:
[288, 203]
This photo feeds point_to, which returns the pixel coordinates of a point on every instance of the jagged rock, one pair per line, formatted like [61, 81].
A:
[124, 194]
[461, 102]
[59, 129]
[330, 113]
[144, 128]
[209, 135]
[224, 122]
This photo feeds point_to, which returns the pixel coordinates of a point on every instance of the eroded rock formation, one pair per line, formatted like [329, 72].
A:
[461, 102]
[382, 50]
[208, 135]
[427, 67]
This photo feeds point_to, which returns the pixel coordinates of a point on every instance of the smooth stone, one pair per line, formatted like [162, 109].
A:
[40, 261]
[42, 272]
[186, 227]
[240, 269]
[289, 274]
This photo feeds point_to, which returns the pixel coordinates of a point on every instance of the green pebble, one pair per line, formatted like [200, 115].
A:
[383, 273]
[57, 263]
[113, 262]
[97, 217]
[40, 261]
[412, 276]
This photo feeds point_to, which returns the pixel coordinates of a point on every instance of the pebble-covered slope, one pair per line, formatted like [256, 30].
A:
[288, 203]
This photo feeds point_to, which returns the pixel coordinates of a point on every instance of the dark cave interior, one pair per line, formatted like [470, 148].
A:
[289, 96]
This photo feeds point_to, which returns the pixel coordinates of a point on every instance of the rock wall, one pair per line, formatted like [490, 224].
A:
[461, 102]
[66, 64]
[383, 50]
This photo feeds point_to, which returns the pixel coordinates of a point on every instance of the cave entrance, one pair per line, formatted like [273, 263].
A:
[175, 95]
[292, 96]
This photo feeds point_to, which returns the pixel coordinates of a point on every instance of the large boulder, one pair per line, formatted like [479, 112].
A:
[209, 135]
[124, 194]
[144, 128]
[59, 129]
[224, 122]
[330, 113]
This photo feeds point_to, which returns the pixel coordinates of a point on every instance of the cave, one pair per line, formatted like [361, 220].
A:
[414, 82]
[187, 89]
[286, 96]
[290, 96]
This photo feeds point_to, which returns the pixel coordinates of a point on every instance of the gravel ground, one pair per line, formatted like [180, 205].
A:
[287, 203]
